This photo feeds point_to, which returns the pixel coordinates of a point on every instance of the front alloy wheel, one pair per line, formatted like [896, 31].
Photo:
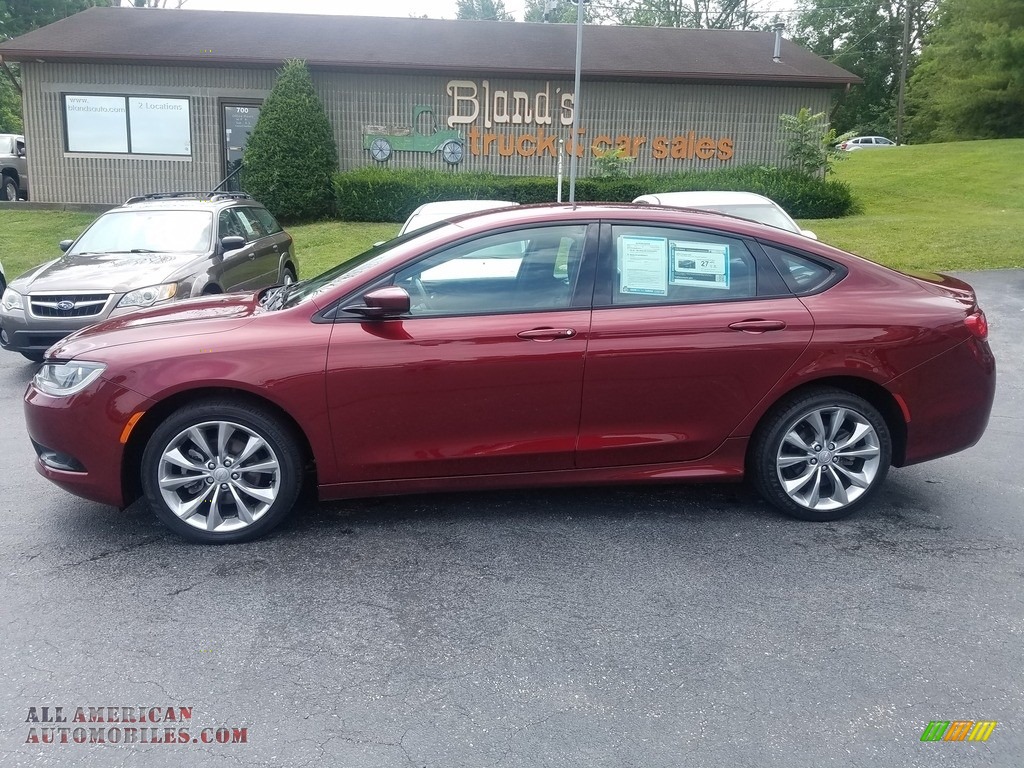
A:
[217, 472]
[821, 455]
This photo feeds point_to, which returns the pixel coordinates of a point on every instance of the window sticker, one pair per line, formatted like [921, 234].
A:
[643, 265]
[705, 265]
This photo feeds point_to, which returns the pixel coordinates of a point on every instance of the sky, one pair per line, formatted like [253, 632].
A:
[435, 9]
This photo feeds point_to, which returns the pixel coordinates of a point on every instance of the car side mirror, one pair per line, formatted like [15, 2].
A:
[808, 233]
[21, 151]
[65, 244]
[390, 301]
[232, 243]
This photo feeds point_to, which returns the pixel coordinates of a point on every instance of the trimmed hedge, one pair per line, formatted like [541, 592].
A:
[381, 194]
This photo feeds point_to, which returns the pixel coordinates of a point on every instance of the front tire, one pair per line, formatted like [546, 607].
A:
[8, 189]
[217, 472]
[821, 454]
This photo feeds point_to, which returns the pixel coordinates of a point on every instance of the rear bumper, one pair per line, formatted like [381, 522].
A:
[78, 439]
[949, 399]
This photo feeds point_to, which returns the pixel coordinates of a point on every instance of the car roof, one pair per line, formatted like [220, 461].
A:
[186, 201]
[705, 197]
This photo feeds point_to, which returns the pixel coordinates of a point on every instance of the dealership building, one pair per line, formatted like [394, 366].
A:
[122, 101]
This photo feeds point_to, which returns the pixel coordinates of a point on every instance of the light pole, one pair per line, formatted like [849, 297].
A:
[574, 157]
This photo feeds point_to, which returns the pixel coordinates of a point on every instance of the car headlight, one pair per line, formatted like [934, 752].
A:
[147, 297]
[64, 379]
[12, 300]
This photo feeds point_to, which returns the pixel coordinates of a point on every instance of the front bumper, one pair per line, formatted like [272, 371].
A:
[78, 438]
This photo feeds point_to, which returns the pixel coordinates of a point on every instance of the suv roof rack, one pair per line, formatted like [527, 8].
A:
[215, 195]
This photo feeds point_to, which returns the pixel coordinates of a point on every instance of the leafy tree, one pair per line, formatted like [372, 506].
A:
[864, 37]
[492, 10]
[613, 164]
[20, 16]
[970, 80]
[559, 11]
[691, 14]
[291, 154]
[10, 107]
[810, 143]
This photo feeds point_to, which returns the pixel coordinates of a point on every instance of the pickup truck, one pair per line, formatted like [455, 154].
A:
[13, 167]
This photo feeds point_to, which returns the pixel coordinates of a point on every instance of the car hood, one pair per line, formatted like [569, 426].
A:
[113, 272]
[193, 317]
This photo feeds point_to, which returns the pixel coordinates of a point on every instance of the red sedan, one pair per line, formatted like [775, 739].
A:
[534, 346]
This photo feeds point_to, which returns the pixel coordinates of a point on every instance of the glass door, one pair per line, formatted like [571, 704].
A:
[239, 120]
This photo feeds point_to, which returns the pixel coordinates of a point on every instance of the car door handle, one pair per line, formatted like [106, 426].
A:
[547, 334]
[758, 326]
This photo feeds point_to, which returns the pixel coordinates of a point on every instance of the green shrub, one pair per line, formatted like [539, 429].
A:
[380, 194]
[291, 156]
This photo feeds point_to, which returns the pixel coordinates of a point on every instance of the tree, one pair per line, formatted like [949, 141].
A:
[291, 156]
[810, 144]
[689, 14]
[969, 83]
[10, 107]
[558, 12]
[864, 37]
[486, 10]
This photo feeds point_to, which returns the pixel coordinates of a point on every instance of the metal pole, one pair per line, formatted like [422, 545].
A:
[561, 149]
[573, 158]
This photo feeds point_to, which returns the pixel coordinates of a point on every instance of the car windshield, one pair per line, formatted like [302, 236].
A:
[147, 232]
[764, 214]
[299, 292]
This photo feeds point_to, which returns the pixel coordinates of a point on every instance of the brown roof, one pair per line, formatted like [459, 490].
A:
[146, 36]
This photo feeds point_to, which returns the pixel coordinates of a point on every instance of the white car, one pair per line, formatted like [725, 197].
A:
[428, 213]
[866, 142]
[744, 205]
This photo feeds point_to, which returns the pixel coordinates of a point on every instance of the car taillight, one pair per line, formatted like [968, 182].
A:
[977, 324]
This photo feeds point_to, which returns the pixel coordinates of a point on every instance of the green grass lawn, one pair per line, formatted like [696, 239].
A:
[934, 206]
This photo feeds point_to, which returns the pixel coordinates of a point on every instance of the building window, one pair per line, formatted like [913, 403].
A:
[134, 125]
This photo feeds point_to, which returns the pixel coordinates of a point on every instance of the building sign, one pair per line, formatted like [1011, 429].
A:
[139, 125]
[509, 122]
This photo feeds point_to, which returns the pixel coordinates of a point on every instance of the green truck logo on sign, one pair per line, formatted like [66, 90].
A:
[422, 135]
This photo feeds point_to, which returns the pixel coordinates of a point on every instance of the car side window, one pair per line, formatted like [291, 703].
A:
[659, 265]
[522, 271]
[252, 226]
[228, 225]
[270, 225]
[801, 274]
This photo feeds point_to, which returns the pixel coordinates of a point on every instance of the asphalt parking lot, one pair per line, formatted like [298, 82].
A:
[646, 627]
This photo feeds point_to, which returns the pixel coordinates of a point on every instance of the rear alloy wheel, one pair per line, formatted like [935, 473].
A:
[289, 276]
[820, 455]
[217, 472]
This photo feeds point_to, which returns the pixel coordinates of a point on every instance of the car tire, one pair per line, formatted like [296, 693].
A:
[288, 276]
[820, 454]
[218, 472]
[9, 189]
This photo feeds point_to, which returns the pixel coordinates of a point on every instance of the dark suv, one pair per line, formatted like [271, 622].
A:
[155, 248]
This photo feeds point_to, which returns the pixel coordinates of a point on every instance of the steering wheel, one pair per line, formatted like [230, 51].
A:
[419, 293]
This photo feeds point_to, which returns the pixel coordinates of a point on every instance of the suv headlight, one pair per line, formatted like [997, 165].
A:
[12, 300]
[147, 297]
[64, 379]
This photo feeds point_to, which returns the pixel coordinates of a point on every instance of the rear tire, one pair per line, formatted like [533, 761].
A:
[820, 454]
[217, 472]
[289, 276]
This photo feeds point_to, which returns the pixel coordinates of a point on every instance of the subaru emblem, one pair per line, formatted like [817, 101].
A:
[65, 305]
